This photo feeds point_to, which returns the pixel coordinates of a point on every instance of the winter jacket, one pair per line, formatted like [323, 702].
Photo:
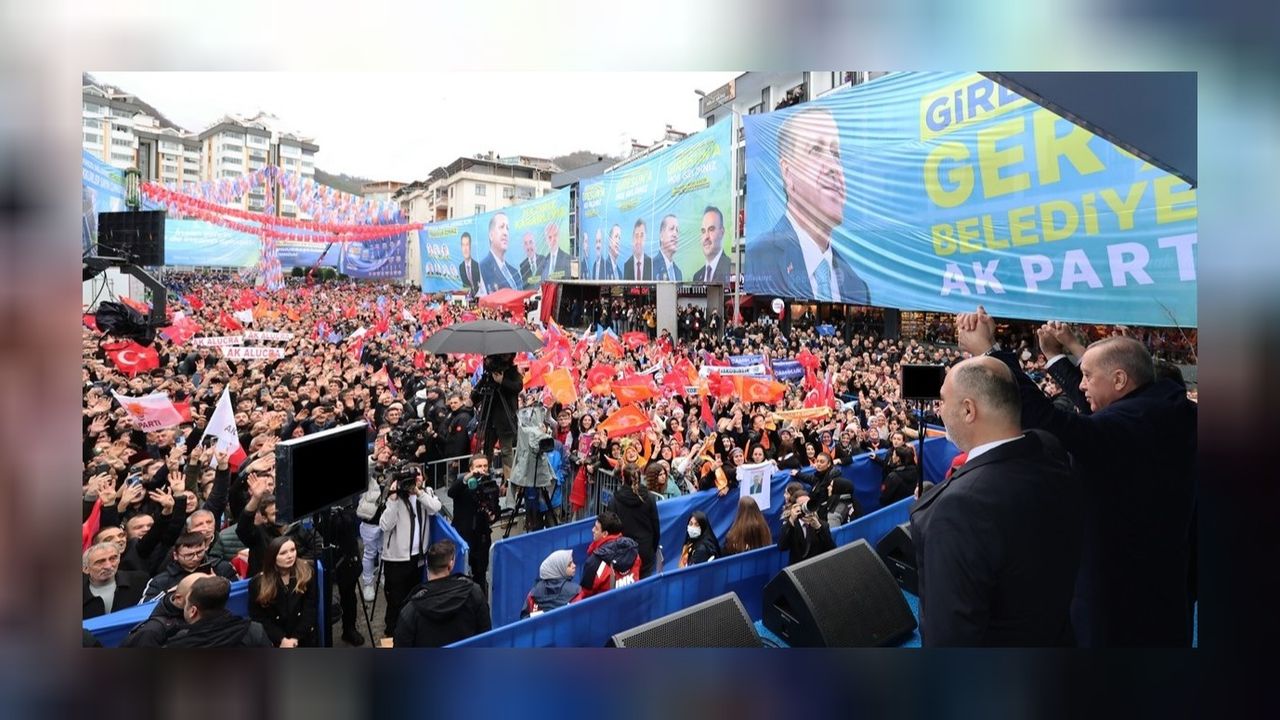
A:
[443, 611]
[639, 515]
[454, 440]
[291, 614]
[549, 595]
[705, 548]
[613, 560]
[901, 483]
[221, 629]
[397, 527]
[367, 507]
[129, 586]
[173, 572]
[165, 619]
[258, 537]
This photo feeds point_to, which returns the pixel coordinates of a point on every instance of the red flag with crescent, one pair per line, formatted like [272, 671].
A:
[134, 358]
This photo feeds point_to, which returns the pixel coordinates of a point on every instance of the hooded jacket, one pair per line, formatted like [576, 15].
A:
[610, 551]
[639, 515]
[555, 587]
[165, 619]
[441, 612]
[220, 630]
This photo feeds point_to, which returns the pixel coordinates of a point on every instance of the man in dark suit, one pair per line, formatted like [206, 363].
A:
[1136, 457]
[555, 264]
[531, 266]
[805, 532]
[639, 266]
[105, 589]
[716, 269]
[495, 271]
[998, 543]
[607, 265]
[469, 269]
[797, 258]
[664, 263]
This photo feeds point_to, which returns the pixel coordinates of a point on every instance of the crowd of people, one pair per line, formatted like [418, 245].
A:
[169, 517]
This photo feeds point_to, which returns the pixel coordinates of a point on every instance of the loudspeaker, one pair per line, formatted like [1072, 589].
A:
[842, 598]
[899, 555]
[137, 236]
[720, 622]
[922, 382]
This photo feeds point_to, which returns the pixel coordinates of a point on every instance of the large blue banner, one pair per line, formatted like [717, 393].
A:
[374, 259]
[516, 247]
[196, 242]
[101, 190]
[293, 253]
[940, 191]
[662, 218]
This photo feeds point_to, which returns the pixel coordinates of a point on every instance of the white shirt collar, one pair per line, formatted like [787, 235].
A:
[975, 452]
[814, 257]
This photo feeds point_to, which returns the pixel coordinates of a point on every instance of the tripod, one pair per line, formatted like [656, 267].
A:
[540, 494]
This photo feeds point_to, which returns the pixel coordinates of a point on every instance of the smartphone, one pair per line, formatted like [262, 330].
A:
[135, 480]
[182, 440]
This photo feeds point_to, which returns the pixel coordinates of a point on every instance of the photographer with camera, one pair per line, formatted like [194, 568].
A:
[805, 532]
[405, 530]
[369, 510]
[496, 398]
[475, 508]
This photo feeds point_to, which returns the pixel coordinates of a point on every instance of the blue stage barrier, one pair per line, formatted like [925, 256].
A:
[439, 529]
[515, 561]
[591, 622]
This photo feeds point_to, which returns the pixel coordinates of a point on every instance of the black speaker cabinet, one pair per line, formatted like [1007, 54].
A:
[842, 598]
[922, 382]
[899, 555]
[137, 236]
[720, 622]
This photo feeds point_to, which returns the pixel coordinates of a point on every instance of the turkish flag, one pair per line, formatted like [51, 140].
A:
[134, 358]
[229, 323]
[708, 420]
[184, 410]
[685, 368]
[560, 383]
[673, 383]
[536, 376]
[90, 321]
[611, 345]
[194, 301]
[599, 378]
[634, 389]
[419, 360]
[356, 349]
[757, 390]
[635, 339]
[625, 421]
[720, 386]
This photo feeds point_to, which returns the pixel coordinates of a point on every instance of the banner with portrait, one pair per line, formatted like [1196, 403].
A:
[942, 191]
[381, 259]
[515, 247]
[662, 217]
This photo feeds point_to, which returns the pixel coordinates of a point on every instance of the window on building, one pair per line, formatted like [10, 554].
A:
[711, 120]
[766, 95]
[755, 109]
[93, 108]
[524, 193]
[508, 192]
[93, 139]
[479, 209]
[121, 143]
[232, 161]
[481, 189]
[450, 192]
[122, 157]
[93, 122]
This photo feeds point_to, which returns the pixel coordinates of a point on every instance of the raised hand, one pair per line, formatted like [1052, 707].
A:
[976, 331]
[98, 425]
[222, 457]
[129, 495]
[1048, 339]
[164, 497]
[1066, 334]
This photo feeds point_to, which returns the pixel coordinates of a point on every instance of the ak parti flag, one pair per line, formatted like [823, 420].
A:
[611, 345]
[758, 390]
[222, 425]
[625, 421]
[560, 383]
[133, 358]
[151, 412]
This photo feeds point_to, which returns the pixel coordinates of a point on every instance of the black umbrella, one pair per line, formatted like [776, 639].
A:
[482, 337]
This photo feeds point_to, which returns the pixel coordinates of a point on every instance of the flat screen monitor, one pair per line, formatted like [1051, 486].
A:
[315, 472]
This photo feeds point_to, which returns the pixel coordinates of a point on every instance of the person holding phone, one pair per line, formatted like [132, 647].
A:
[190, 555]
[805, 532]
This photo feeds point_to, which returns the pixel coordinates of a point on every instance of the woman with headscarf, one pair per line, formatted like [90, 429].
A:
[555, 586]
[700, 544]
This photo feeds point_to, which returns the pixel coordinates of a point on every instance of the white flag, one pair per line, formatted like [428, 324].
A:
[151, 412]
[222, 425]
[244, 316]
[358, 333]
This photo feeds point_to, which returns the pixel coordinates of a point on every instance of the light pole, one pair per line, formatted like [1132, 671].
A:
[737, 241]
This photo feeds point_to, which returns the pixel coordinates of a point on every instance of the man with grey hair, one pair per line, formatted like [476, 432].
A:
[998, 543]
[1136, 456]
[105, 587]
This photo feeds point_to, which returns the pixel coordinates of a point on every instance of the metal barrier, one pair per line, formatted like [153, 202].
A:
[602, 490]
[440, 473]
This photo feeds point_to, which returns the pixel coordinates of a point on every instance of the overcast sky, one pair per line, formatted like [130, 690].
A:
[399, 126]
